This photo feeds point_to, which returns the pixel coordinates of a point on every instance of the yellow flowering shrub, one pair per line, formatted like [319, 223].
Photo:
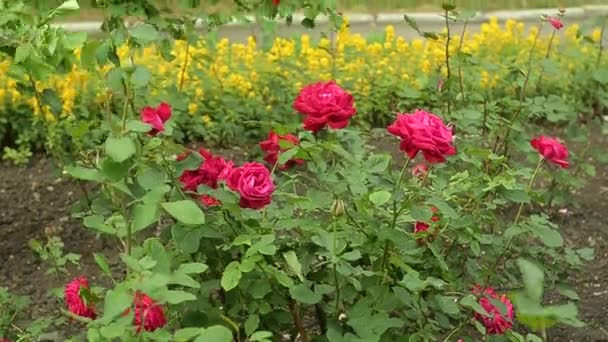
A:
[232, 87]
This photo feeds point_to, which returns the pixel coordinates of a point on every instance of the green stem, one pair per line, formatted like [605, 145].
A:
[234, 326]
[601, 42]
[521, 205]
[395, 216]
[447, 57]
[75, 317]
[542, 70]
[517, 217]
[184, 67]
[335, 268]
[460, 76]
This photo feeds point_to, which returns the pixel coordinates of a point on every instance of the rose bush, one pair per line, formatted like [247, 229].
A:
[352, 244]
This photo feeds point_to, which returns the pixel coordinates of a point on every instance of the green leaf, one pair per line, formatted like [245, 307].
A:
[114, 171]
[304, 294]
[144, 33]
[568, 292]
[185, 211]
[186, 238]
[74, 40]
[114, 79]
[378, 198]
[120, 148]
[178, 296]
[284, 157]
[294, 263]
[117, 300]
[216, 333]
[103, 264]
[533, 278]
[550, 237]
[470, 301]
[192, 267]
[51, 99]
[421, 213]
[448, 305]
[186, 334]
[97, 222]
[413, 282]
[67, 6]
[251, 324]
[144, 214]
[137, 126]
[231, 276]
[22, 52]
[84, 173]
[141, 77]
[443, 207]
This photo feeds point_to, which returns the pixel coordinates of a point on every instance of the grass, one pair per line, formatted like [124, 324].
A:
[371, 6]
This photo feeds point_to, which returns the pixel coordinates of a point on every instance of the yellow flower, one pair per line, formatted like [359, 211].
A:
[192, 108]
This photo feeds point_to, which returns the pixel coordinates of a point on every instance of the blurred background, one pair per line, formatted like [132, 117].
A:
[366, 6]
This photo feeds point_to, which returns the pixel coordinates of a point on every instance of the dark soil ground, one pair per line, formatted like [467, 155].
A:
[35, 202]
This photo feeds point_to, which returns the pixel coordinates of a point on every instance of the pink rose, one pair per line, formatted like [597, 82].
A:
[254, 183]
[324, 104]
[156, 117]
[272, 147]
[555, 22]
[74, 300]
[498, 322]
[149, 316]
[552, 150]
[423, 132]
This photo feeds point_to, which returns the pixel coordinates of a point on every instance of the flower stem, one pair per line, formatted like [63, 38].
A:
[394, 220]
[447, 57]
[184, 67]
[542, 70]
[335, 268]
[521, 205]
[517, 217]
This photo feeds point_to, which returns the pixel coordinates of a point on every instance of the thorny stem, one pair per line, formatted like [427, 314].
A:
[295, 312]
[453, 332]
[184, 66]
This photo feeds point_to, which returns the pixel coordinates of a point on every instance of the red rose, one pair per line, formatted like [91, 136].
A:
[424, 227]
[498, 321]
[74, 300]
[149, 316]
[552, 150]
[272, 147]
[324, 104]
[556, 23]
[156, 117]
[209, 201]
[254, 183]
[210, 172]
[420, 170]
[423, 132]
[276, 2]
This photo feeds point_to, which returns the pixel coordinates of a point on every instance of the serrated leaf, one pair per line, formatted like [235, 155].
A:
[84, 173]
[185, 211]
[186, 334]
[550, 237]
[231, 276]
[178, 296]
[304, 294]
[216, 333]
[103, 264]
[193, 267]
[294, 263]
[141, 77]
[120, 148]
[378, 198]
[144, 214]
[144, 33]
[251, 324]
[533, 278]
